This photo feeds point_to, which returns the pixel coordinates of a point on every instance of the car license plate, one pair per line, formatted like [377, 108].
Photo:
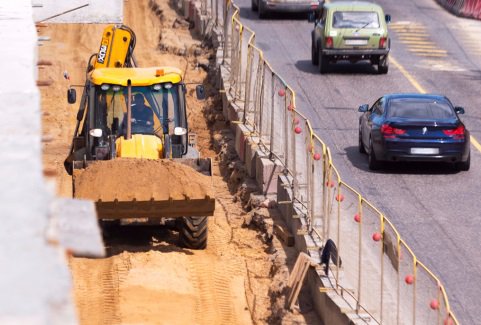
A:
[424, 151]
[356, 42]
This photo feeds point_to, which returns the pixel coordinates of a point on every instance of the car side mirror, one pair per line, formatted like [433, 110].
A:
[388, 18]
[363, 108]
[71, 96]
[200, 92]
[459, 110]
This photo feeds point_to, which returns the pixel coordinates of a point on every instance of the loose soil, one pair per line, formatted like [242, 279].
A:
[141, 180]
[147, 278]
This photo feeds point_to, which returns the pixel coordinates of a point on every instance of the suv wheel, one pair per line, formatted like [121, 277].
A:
[323, 62]
[383, 65]
[314, 57]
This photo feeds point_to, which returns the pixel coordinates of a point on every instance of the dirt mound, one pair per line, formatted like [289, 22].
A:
[142, 180]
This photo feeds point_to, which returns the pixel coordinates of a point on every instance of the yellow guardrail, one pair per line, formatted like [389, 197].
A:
[381, 276]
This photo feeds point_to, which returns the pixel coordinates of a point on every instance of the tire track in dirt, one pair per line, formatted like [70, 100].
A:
[97, 294]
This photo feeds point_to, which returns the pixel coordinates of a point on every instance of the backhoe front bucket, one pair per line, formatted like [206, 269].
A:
[140, 188]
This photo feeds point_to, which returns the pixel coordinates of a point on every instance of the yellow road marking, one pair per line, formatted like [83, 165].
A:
[432, 55]
[428, 51]
[422, 46]
[408, 76]
[417, 42]
[419, 88]
[475, 143]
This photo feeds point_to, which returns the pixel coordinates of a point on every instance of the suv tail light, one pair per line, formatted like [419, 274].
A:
[329, 42]
[391, 132]
[382, 42]
[457, 133]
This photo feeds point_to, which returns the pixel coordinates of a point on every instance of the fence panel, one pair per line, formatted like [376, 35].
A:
[235, 64]
[318, 193]
[266, 104]
[371, 260]
[407, 276]
[302, 134]
[253, 76]
[350, 240]
[427, 296]
[278, 133]
[390, 274]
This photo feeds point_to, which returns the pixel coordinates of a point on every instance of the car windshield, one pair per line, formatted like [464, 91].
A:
[158, 115]
[420, 109]
[355, 19]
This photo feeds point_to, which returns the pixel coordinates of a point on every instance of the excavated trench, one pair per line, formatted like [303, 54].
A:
[147, 278]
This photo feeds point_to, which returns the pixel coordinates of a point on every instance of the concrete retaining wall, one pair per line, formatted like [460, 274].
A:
[36, 231]
[35, 282]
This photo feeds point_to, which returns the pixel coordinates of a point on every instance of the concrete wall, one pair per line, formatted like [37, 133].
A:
[97, 11]
[35, 282]
[36, 228]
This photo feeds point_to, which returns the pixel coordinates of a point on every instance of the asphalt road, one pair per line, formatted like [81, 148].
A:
[436, 209]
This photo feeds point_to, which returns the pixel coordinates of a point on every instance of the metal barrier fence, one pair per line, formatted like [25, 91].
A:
[379, 274]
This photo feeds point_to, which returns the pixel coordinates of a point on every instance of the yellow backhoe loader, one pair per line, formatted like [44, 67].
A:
[127, 112]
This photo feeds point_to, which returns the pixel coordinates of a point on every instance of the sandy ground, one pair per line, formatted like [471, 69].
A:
[147, 278]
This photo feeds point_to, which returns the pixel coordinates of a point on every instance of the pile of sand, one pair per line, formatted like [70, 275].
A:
[142, 180]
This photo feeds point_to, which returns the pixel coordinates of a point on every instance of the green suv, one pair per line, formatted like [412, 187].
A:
[350, 30]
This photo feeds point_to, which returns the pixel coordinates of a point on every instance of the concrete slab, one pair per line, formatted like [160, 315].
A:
[267, 172]
[96, 11]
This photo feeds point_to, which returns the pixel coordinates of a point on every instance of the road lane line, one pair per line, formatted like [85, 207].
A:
[408, 76]
[419, 88]
[475, 143]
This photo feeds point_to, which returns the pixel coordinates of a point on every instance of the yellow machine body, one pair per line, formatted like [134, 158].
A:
[136, 76]
[140, 146]
[114, 47]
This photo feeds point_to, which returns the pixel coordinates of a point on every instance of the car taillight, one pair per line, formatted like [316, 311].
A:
[391, 132]
[457, 133]
[329, 42]
[382, 42]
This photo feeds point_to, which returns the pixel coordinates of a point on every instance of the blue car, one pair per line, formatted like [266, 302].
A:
[414, 127]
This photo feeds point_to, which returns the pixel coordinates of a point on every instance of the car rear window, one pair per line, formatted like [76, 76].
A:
[420, 109]
[355, 19]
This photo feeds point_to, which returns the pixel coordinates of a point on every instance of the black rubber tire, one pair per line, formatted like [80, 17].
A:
[383, 65]
[464, 165]
[322, 59]
[373, 163]
[193, 232]
[361, 145]
[254, 5]
[261, 11]
[314, 57]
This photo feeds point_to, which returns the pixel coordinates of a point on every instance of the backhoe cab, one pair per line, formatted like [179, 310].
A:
[108, 132]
